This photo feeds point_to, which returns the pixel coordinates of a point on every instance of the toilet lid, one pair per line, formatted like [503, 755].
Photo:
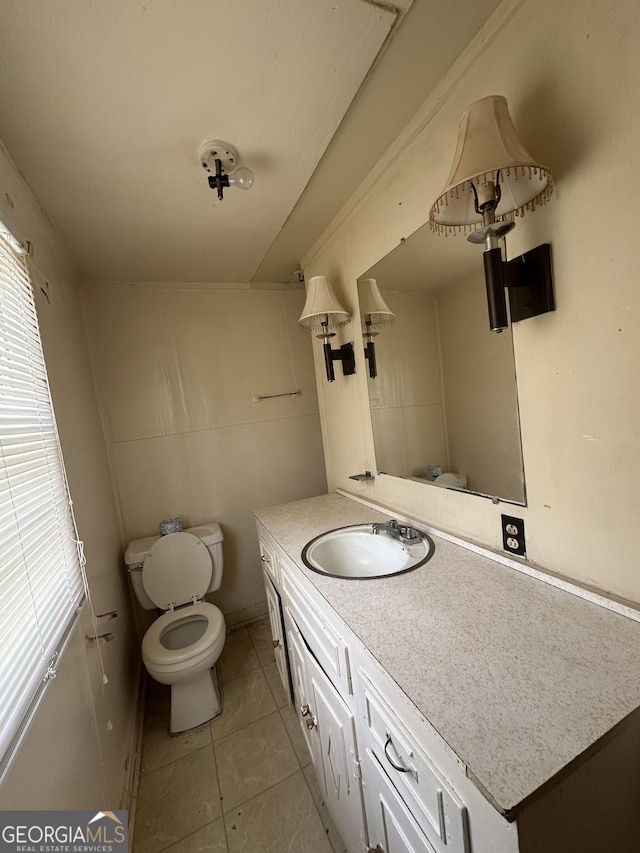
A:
[177, 567]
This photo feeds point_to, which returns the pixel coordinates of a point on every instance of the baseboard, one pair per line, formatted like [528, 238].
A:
[130, 792]
[239, 618]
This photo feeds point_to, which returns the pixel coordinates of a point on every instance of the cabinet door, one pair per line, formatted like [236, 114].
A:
[298, 654]
[329, 730]
[338, 770]
[277, 631]
[435, 806]
[392, 827]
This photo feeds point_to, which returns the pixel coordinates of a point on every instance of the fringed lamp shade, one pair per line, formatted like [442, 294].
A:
[489, 151]
[322, 307]
[373, 308]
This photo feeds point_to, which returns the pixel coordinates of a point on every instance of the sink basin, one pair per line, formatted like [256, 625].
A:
[358, 552]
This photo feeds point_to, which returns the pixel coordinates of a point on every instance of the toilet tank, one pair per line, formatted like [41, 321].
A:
[210, 533]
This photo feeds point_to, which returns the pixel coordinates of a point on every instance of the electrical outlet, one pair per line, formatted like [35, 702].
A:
[513, 535]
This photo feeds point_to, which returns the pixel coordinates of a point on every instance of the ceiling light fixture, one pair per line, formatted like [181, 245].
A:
[494, 179]
[321, 311]
[375, 314]
[220, 160]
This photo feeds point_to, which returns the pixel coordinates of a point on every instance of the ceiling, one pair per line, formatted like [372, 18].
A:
[103, 106]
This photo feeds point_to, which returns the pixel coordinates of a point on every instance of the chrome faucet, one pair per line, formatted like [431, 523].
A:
[391, 527]
[404, 533]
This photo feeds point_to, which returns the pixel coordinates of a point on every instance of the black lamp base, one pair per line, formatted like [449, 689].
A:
[529, 280]
[531, 293]
[345, 354]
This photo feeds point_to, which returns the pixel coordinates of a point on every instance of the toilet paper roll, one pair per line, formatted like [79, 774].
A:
[170, 525]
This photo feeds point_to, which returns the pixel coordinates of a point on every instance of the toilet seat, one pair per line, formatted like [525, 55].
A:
[155, 653]
[177, 569]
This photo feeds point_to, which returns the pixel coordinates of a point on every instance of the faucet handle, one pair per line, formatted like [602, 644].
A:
[409, 534]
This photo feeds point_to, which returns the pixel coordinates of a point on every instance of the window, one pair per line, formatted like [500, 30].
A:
[41, 576]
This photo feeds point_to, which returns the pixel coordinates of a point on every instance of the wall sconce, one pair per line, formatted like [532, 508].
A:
[494, 179]
[322, 311]
[375, 314]
[221, 162]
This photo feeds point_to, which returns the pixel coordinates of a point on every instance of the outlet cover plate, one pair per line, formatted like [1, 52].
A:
[513, 540]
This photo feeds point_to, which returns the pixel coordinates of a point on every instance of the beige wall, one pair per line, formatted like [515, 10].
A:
[571, 73]
[70, 758]
[406, 396]
[177, 368]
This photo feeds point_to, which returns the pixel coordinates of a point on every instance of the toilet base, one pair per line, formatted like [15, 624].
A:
[194, 702]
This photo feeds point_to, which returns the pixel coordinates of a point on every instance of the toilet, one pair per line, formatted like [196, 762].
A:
[173, 573]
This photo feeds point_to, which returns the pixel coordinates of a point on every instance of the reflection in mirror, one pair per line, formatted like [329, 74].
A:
[444, 406]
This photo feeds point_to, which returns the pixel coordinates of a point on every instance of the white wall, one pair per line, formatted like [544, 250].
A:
[571, 74]
[69, 758]
[177, 368]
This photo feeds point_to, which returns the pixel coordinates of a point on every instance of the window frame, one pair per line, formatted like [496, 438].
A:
[43, 585]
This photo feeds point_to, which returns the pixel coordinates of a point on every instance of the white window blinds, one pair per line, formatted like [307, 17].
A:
[41, 578]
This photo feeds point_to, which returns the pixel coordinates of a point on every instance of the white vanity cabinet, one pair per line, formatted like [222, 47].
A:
[424, 807]
[318, 665]
[392, 828]
[328, 725]
[349, 720]
[391, 781]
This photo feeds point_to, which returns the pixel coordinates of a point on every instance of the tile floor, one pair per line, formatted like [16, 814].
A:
[244, 782]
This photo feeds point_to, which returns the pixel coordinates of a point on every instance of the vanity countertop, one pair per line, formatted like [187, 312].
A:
[517, 676]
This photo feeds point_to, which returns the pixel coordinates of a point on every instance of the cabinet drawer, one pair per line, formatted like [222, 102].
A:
[322, 638]
[438, 811]
[269, 561]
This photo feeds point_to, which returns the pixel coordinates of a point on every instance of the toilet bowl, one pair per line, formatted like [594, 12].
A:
[181, 647]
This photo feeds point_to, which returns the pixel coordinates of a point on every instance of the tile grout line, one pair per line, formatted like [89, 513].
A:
[262, 793]
[301, 768]
[280, 714]
[174, 760]
[215, 765]
[189, 834]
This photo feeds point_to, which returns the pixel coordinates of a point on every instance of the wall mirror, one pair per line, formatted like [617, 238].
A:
[443, 400]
